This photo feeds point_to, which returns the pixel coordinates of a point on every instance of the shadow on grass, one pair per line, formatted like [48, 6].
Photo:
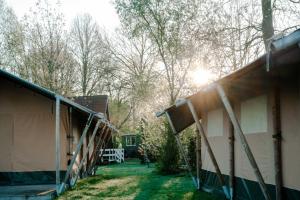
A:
[135, 181]
[175, 187]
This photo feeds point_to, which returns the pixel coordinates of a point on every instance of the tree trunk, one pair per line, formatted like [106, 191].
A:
[267, 22]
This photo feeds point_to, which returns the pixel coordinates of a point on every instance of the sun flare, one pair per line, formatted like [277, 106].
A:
[201, 76]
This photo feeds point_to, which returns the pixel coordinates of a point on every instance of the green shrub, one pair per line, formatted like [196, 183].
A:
[168, 160]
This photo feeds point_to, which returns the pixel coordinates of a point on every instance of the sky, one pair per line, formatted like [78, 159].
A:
[102, 10]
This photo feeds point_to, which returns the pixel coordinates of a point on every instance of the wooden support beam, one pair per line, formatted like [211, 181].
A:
[198, 159]
[96, 151]
[70, 166]
[181, 150]
[71, 135]
[103, 144]
[276, 113]
[243, 140]
[210, 152]
[57, 143]
[86, 152]
[231, 162]
[97, 155]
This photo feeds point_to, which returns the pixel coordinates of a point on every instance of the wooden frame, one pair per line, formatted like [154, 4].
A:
[210, 152]
[181, 150]
[198, 159]
[57, 143]
[85, 154]
[70, 166]
[277, 137]
[96, 149]
[243, 140]
[231, 162]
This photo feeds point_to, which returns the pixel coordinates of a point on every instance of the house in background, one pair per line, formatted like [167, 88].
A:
[97, 103]
[130, 143]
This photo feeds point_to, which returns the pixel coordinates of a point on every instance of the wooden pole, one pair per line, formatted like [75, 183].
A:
[71, 135]
[210, 152]
[231, 161]
[70, 166]
[96, 151]
[277, 140]
[57, 143]
[86, 152]
[198, 158]
[243, 140]
[181, 149]
[99, 156]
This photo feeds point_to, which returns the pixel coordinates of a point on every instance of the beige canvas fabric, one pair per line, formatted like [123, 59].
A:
[6, 141]
[28, 130]
[261, 144]
[290, 136]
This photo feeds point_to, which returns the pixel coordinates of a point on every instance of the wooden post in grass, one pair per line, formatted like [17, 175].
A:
[231, 161]
[277, 139]
[96, 150]
[198, 158]
[86, 152]
[210, 152]
[243, 140]
[57, 143]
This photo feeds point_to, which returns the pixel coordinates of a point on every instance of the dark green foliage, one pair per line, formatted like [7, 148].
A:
[168, 162]
[192, 151]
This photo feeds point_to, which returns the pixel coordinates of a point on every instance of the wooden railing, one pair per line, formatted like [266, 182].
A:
[112, 155]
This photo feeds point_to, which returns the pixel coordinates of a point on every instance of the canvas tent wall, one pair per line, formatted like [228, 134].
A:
[251, 91]
[27, 131]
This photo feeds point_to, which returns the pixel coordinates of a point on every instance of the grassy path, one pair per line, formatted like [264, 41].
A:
[131, 180]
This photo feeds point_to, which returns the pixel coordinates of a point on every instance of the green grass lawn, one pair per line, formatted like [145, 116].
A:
[131, 180]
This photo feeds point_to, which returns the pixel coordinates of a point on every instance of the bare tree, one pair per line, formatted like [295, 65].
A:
[134, 75]
[169, 25]
[46, 58]
[90, 51]
[11, 38]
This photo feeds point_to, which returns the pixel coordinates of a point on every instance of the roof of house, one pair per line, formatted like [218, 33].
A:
[98, 103]
[52, 95]
[249, 80]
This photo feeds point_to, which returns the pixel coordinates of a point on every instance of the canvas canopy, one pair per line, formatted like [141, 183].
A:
[28, 121]
[251, 92]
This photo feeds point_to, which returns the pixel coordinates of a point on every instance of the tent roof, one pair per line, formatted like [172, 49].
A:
[98, 103]
[51, 95]
[249, 80]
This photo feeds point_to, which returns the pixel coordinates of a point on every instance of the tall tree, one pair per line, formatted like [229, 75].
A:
[169, 25]
[133, 60]
[90, 51]
[47, 60]
[11, 38]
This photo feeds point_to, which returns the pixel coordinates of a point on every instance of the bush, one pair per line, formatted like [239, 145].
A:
[168, 160]
[192, 151]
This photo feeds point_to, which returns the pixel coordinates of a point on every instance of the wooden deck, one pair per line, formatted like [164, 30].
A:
[28, 192]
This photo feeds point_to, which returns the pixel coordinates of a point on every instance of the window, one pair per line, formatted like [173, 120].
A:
[130, 140]
[254, 115]
[215, 123]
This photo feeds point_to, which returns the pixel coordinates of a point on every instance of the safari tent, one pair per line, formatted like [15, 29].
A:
[46, 138]
[248, 127]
